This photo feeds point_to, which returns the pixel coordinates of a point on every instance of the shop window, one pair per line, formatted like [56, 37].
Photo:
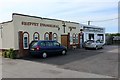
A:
[74, 40]
[25, 40]
[91, 36]
[55, 36]
[76, 37]
[71, 39]
[100, 37]
[36, 36]
[46, 36]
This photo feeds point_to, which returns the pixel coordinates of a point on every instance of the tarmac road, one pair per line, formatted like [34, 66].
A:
[79, 63]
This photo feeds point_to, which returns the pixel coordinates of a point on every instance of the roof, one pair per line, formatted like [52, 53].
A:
[43, 18]
[6, 22]
[93, 26]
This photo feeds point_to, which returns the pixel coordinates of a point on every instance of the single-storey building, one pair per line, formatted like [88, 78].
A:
[22, 29]
[93, 33]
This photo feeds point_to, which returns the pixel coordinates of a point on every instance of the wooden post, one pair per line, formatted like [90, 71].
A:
[50, 35]
[68, 40]
[20, 35]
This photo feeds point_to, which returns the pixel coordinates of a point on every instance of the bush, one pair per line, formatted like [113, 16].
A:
[12, 54]
[5, 54]
[9, 54]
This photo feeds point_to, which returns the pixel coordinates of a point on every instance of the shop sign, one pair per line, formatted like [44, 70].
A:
[72, 28]
[39, 24]
[90, 29]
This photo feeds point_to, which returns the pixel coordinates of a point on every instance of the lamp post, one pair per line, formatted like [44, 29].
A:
[1, 30]
[64, 25]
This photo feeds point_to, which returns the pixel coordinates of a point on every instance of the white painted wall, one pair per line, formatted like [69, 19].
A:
[17, 19]
[0, 42]
[0, 36]
[86, 35]
[7, 36]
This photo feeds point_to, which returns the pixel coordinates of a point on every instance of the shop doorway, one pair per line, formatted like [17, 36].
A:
[91, 36]
[65, 40]
[100, 37]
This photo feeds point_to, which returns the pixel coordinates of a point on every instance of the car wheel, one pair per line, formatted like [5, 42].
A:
[102, 47]
[44, 55]
[96, 47]
[64, 52]
[86, 48]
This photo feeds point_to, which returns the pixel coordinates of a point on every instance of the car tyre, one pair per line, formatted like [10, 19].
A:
[102, 47]
[63, 52]
[96, 47]
[44, 55]
[86, 48]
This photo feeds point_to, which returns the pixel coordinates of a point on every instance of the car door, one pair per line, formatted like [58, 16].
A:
[98, 44]
[49, 47]
[101, 44]
[57, 47]
[42, 46]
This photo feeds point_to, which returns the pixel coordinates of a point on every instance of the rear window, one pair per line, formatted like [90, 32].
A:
[33, 43]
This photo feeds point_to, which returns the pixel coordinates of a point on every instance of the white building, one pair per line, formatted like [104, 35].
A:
[23, 29]
[91, 32]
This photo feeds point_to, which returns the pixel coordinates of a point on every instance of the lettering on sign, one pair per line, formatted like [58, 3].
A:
[72, 27]
[30, 23]
[91, 29]
[39, 24]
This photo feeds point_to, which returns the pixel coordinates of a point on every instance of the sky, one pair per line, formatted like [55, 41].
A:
[79, 11]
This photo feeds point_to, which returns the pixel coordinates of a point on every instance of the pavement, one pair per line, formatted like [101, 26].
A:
[0, 67]
[27, 69]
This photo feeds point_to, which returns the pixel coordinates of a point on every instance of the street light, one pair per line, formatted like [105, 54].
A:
[64, 25]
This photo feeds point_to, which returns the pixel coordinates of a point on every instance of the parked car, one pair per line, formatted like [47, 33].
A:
[93, 44]
[44, 48]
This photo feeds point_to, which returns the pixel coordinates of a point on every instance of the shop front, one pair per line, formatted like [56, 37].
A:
[94, 33]
[26, 28]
